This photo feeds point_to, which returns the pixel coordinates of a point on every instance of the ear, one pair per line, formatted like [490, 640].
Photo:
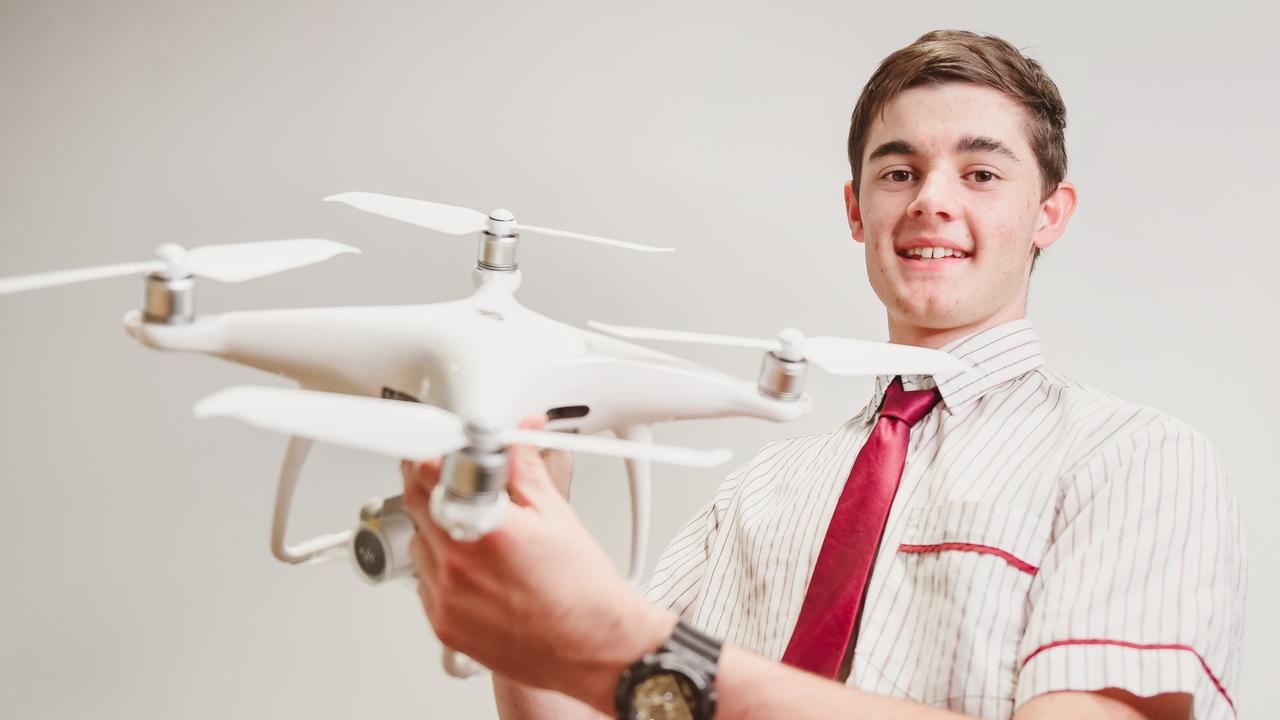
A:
[1055, 211]
[854, 212]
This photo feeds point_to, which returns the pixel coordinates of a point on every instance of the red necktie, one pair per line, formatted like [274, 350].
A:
[825, 627]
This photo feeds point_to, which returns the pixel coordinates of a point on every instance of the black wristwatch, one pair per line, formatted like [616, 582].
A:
[675, 683]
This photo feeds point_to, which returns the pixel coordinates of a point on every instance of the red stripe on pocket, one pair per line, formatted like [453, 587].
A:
[1022, 565]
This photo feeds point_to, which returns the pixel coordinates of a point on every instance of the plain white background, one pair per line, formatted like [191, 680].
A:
[136, 579]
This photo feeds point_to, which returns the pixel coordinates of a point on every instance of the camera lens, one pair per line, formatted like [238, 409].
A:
[369, 554]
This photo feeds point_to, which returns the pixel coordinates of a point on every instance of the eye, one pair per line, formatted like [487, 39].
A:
[982, 176]
[898, 176]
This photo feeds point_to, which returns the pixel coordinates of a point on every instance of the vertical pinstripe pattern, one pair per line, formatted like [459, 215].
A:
[1045, 536]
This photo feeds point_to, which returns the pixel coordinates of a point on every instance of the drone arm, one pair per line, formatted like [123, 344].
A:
[315, 549]
[639, 478]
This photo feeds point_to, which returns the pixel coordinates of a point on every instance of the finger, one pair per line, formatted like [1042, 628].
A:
[425, 568]
[425, 474]
[423, 556]
[528, 482]
[559, 463]
[560, 468]
[416, 503]
[533, 422]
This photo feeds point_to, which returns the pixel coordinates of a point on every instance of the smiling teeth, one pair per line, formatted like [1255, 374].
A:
[931, 253]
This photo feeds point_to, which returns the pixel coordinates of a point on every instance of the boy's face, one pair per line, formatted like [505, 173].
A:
[949, 166]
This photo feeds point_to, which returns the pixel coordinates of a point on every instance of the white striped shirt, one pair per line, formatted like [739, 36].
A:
[1045, 536]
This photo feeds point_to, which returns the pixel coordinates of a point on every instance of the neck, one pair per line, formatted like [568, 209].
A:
[905, 333]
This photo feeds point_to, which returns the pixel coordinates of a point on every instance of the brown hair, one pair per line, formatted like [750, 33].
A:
[960, 56]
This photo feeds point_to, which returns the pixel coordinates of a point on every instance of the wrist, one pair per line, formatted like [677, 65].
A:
[641, 630]
[678, 682]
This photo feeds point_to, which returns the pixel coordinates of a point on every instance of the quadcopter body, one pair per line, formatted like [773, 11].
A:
[483, 357]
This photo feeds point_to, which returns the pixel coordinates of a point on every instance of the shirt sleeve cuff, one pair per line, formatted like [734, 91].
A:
[1144, 670]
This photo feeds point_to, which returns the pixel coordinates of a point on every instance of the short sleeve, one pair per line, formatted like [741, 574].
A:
[1142, 586]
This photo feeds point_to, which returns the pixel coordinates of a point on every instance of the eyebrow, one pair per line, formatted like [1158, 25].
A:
[893, 147]
[982, 143]
[968, 143]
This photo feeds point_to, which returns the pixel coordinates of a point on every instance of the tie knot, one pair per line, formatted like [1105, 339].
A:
[909, 406]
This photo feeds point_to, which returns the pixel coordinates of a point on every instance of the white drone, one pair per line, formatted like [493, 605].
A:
[470, 370]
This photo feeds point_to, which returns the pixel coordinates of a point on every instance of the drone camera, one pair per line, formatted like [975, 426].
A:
[380, 543]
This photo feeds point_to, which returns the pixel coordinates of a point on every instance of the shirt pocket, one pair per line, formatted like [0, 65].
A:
[966, 570]
[957, 530]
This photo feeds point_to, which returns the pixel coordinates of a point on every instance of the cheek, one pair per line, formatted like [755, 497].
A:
[881, 257]
[1007, 247]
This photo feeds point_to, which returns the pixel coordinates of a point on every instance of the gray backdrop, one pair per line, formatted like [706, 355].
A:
[137, 581]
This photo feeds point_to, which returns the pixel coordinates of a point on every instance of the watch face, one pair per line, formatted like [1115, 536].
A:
[664, 696]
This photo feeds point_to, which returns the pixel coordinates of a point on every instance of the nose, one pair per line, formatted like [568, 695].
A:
[935, 198]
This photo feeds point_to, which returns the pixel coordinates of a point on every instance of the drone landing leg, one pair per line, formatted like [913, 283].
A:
[638, 476]
[315, 549]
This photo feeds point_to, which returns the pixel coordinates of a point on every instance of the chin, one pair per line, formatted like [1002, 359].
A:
[937, 317]
[935, 313]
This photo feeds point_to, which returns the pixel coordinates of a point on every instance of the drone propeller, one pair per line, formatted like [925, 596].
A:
[836, 355]
[462, 221]
[410, 430]
[225, 263]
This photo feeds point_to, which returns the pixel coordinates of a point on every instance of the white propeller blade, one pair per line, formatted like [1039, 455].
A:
[836, 355]
[455, 220]
[599, 445]
[435, 216]
[593, 238]
[396, 428]
[235, 262]
[408, 430]
[639, 333]
[67, 277]
[238, 262]
[843, 356]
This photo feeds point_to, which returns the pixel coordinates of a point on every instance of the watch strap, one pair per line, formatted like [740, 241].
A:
[686, 639]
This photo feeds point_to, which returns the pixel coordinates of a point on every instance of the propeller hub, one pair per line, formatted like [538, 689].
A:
[483, 437]
[175, 260]
[502, 223]
[170, 252]
[791, 345]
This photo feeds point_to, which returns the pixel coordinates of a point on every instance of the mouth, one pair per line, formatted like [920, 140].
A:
[932, 257]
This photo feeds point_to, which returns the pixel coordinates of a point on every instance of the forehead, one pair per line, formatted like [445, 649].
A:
[933, 117]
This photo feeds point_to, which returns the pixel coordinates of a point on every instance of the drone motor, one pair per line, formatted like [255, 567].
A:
[169, 300]
[471, 498]
[170, 292]
[497, 251]
[782, 379]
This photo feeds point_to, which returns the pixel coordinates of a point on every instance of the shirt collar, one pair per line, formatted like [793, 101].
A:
[995, 356]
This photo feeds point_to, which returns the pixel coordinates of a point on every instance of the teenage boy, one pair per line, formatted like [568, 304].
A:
[999, 542]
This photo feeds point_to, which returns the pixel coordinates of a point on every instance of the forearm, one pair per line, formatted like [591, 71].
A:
[521, 702]
[750, 686]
